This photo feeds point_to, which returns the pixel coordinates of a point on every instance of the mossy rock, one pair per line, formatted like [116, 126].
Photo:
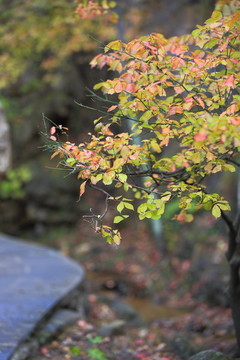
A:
[209, 355]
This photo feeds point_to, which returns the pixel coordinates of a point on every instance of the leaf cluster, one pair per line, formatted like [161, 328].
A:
[180, 93]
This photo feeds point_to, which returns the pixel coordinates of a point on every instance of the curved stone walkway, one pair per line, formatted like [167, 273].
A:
[34, 282]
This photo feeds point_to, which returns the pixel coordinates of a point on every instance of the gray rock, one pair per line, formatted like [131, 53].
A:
[182, 347]
[60, 320]
[56, 324]
[35, 282]
[113, 328]
[209, 355]
[125, 311]
[5, 143]
[25, 350]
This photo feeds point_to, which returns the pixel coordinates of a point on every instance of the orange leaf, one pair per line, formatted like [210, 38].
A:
[113, 107]
[178, 89]
[201, 102]
[175, 110]
[82, 188]
[55, 154]
[200, 63]
[118, 88]
[106, 131]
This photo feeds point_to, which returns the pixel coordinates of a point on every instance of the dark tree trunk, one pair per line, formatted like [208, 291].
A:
[234, 294]
[233, 257]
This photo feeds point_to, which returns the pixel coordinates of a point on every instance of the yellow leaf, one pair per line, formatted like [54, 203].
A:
[216, 211]
[117, 239]
[113, 45]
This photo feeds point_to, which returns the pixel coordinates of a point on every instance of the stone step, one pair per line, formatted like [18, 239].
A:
[34, 283]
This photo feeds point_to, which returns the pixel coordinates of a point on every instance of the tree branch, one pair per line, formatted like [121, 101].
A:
[228, 222]
[151, 172]
[232, 161]
[96, 219]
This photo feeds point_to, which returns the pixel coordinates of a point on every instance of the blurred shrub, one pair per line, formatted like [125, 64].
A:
[12, 187]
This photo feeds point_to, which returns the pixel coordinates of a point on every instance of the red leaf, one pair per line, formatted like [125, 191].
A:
[234, 121]
[229, 81]
[44, 351]
[189, 99]
[178, 50]
[52, 130]
[177, 62]
[130, 88]
[200, 136]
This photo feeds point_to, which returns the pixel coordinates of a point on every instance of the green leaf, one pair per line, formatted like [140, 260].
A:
[98, 86]
[148, 215]
[216, 15]
[126, 186]
[119, 218]
[196, 158]
[216, 211]
[75, 351]
[196, 32]
[122, 177]
[97, 354]
[71, 161]
[142, 208]
[118, 163]
[97, 120]
[96, 339]
[208, 205]
[120, 206]
[210, 44]
[108, 177]
[156, 214]
[142, 216]
[228, 167]
[146, 116]
[99, 177]
[129, 206]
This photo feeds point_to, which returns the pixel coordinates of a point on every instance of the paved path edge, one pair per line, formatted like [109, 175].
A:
[71, 300]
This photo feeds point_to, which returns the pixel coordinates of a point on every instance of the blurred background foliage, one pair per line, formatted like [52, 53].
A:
[45, 51]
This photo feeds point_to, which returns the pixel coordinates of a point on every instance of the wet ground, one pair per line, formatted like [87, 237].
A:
[141, 303]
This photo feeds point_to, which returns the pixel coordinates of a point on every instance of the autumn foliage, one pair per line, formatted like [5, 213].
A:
[180, 93]
[44, 37]
[93, 9]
